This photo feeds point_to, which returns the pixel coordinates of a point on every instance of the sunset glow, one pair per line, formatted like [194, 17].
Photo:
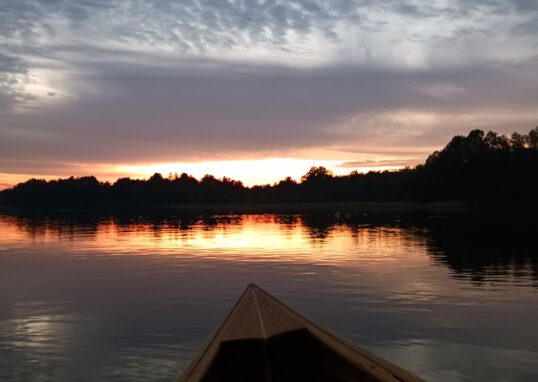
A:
[250, 172]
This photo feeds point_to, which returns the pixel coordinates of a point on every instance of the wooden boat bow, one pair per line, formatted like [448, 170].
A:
[263, 339]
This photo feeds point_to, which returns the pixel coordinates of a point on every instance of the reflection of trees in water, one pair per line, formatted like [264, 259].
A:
[60, 226]
[475, 247]
[318, 226]
[483, 250]
[70, 225]
[286, 220]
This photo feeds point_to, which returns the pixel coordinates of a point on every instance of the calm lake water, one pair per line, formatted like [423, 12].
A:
[132, 298]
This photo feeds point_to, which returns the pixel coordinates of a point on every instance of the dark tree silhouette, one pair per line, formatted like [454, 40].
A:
[479, 167]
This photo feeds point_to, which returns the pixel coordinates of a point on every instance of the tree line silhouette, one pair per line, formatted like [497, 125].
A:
[479, 167]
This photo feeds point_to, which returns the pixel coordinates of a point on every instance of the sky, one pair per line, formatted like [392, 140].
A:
[255, 89]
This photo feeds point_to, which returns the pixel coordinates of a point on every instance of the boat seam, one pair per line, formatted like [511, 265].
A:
[264, 334]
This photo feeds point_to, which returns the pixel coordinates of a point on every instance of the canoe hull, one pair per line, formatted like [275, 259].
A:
[262, 339]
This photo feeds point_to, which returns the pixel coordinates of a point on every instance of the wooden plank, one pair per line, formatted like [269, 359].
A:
[379, 368]
[275, 319]
[201, 363]
[245, 321]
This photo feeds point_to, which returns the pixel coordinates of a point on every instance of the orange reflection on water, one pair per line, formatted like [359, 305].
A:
[10, 232]
[235, 237]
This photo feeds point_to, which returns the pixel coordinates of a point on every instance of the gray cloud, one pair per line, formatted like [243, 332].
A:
[139, 81]
[13, 75]
[142, 112]
[189, 24]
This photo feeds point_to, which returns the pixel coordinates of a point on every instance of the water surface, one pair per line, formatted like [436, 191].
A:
[132, 298]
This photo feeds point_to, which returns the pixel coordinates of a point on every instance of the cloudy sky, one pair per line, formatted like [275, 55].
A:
[255, 89]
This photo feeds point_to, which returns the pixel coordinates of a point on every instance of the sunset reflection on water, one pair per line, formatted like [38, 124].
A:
[234, 238]
[132, 297]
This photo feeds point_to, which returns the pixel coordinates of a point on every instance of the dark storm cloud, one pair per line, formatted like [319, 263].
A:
[147, 81]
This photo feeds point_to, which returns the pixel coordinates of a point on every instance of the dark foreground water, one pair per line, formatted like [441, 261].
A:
[131, 298]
